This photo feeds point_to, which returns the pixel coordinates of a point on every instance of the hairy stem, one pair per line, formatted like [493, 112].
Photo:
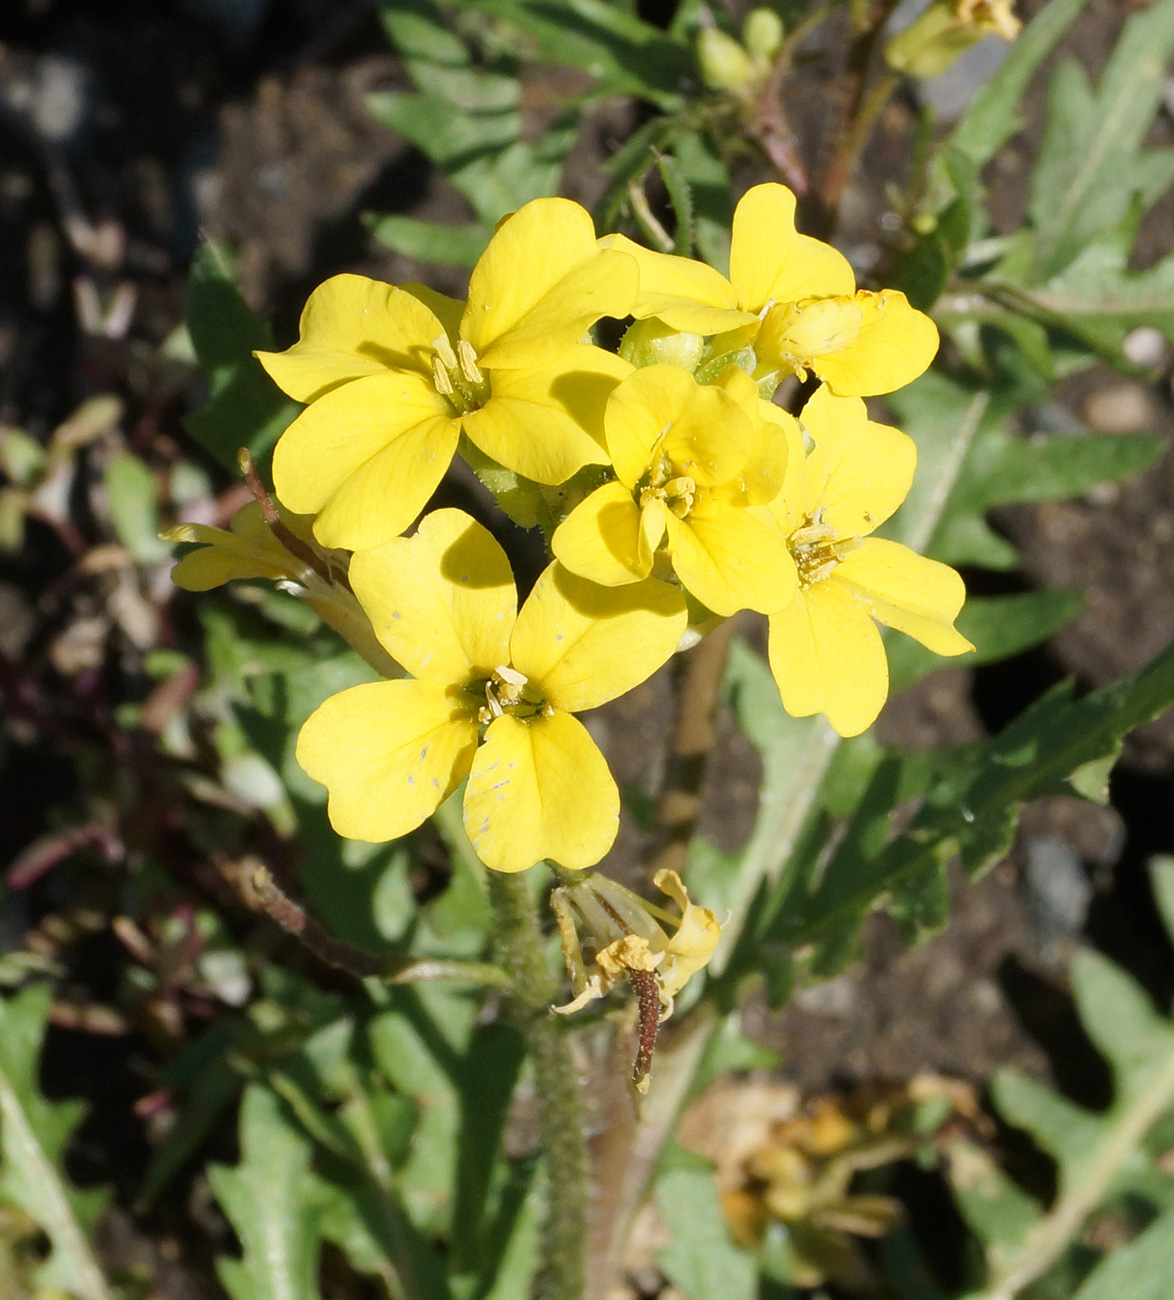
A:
[861, 106]
[520, 951]
[295, 920]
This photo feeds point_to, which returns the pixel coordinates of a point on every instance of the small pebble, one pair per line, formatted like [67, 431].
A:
[1058, 891]
[1122, 408]
[1145, 346]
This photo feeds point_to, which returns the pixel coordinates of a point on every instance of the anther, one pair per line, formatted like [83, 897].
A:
[440, 377]
[443, 349]
[467, 360]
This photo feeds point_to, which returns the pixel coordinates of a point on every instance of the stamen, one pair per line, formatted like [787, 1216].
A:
[467, 360]
[443, 349]
[815, 532]
[440, 377]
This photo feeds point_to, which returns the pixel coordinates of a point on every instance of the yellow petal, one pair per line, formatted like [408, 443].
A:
[213, 565]
[687, 295]
[352, 326]
[789, 507]
[389, 753]
[448, 311]
[441, 602]
[365, 458]
[653, 524]
[801, 335]
[600, 538]
[770, 261]
[859, 471]
[696, 937]
[638, 413]
[731, 560]
[827, 657]
[541, 284]
[249, 551]
[540, 789]
[775, 438]
[581, 644]
[907, 591]
[546, 423]
[894, 345]
[710, 439]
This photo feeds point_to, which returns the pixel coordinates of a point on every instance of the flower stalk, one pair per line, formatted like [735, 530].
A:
[519, 949]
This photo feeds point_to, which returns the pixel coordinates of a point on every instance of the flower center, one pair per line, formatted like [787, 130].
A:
[797, 333]
[816, 549]
[665, 484]
[457, 375]
[508, 691]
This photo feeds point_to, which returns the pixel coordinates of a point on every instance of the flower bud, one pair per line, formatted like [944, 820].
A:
[651, 342]
[762, 34]
[946, 30]
[725, 65]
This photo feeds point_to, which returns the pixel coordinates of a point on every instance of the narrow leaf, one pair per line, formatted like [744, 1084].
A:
[1077, 193]
[245, 407]
[701, 1260]
[33, 1137]
[428, 241]
[993, 116]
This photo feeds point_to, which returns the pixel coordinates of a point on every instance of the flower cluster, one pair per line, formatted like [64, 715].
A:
[672, 492]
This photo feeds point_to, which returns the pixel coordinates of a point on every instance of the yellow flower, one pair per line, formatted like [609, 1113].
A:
[492, 697]
[633, 939]
[769, 262]
[252, 550]
[392, 376]
[791, 297]
[859, 344]
[689, 460]
[825, 651]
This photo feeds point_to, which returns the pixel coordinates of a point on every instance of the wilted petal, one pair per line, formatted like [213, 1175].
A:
[581, 644]
[697, 935]
[249, 551]
[389, 753]
[441, 602]
[540, 789]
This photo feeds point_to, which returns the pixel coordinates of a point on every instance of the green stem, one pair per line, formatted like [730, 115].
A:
[519, 949]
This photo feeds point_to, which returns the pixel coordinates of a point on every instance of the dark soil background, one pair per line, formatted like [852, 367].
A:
[129, 129]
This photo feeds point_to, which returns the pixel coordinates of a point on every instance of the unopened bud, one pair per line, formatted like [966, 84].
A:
[762, 34]
[653, 343]
[725, 65]
[945, 31]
